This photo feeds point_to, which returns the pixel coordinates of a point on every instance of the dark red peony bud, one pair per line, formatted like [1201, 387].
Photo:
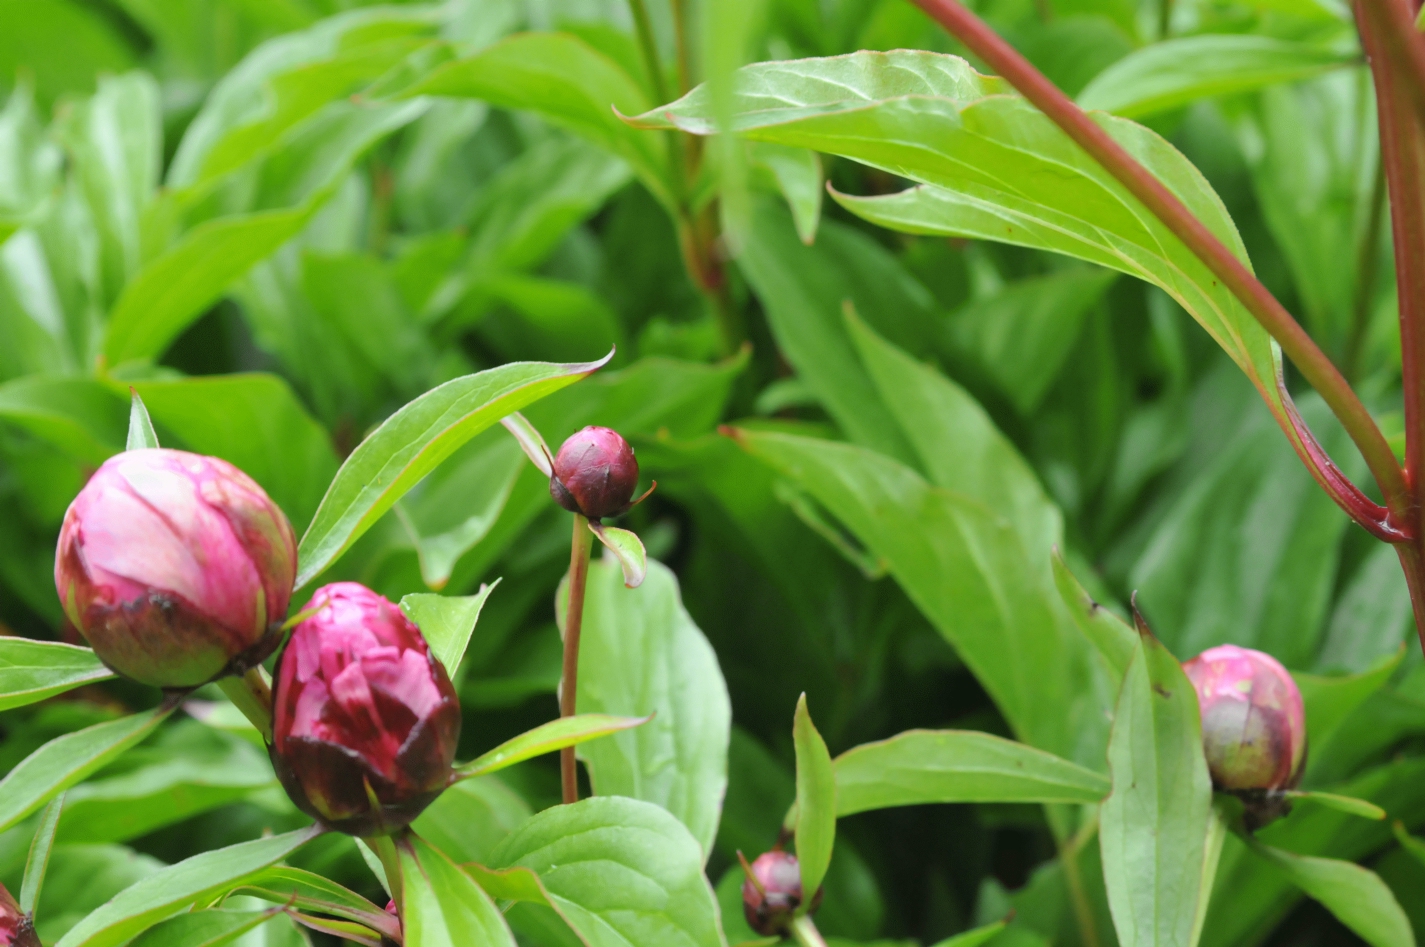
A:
[772, 899]
[362, 709]
[1253, 721]
[595, 474]
[16, 930]
[175, 567]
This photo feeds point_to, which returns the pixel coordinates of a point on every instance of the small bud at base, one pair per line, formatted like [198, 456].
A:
[595, 473]
[770, 902]
[1253, 719]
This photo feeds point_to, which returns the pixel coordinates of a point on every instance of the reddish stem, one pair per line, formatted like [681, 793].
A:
[573, 626]
[1318, 370]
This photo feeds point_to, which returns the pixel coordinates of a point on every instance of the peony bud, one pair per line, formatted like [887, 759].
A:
[175, 567]
[16, 929]
[595, 474]
[1253, 721]
[772, 899]
[362, 711]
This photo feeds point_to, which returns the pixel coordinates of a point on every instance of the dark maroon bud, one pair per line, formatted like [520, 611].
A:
[365, 720]
[772, 893]
[16, 929]
[595, 474]
[1253, 720]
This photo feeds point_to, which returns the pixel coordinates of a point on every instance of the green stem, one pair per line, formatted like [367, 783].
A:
[805, 934]
[252, 694]
[680, 34]
[573, 624]
[1318, 370]
[1073, 878]
[648, 45]
[385, 848]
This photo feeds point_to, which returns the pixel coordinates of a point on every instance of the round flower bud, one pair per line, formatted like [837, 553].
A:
[365, 720]
[770, 901]
[16, 929]
[175, 567]
[1253, 721]
[595, 473]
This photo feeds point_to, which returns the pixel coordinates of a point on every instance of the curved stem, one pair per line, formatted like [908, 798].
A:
[573, 624]
[1318, 370]
[805, 934]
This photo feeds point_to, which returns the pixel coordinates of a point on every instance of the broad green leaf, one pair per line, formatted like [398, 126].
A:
[32, 670]
[568, 83]
[640, 653]
[966, 569]
[255, 422]
[173, 890]
[306, 891]
[1112, 636]
[556, 320]
[925, 766]
[443, 906]
[1178, 72]
[141, 433]
[797, 173]
[816, 799]
[81, 878]
[66, 760]
[1330, 700]
[40, 849]
[546, 738]
[512, 884]
[472, 817]
[624, 873]
[1355, 895]
[210, 928]
[973, 938]
[412, 442]
[625, 546]
[447, 621]
[1349, 804]
[1155, 825]
[79, 416]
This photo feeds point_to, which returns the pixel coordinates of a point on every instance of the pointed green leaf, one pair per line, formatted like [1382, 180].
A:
[1348, 804]
[1112, 635]
[547, 738]
[311, 892]
[38, 861]
[141, 433]
[816, 799]
[530, 441]
[447, 621]
[1355, 895]
[32, 670]
[973, 938]
[412, 442]
[210, 928]
[443, 906]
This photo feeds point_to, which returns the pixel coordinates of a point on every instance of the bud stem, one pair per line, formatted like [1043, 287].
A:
[573, 623]
[252, 694]
[805, 934]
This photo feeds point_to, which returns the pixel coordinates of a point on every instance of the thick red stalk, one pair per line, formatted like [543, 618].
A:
[573, 626]
[1298, 346]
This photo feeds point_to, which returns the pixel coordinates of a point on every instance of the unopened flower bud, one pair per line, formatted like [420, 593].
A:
[365, 720]
[595, 473]
[16, 929]
[1253, 721]
[175, 567]
[772, 893]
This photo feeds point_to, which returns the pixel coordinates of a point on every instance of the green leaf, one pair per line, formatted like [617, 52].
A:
[38, 861]
[412, 442]
[443, 906]
[624, 873]
[569, 84]
[1330, 700]
[797, 173]
[1348, 804]
[547, 738]
[79, 416]
[173, 890]
[1355, 895]
[973, 938]
[306, 891]
[640, 653]
[530, 441]
[816, 800]
[32, 670]
[447, 621]
[625, 546]
[927, 766]
[1178, 72]
[1113, 637]
[210, 928]
[66, 760]
[1155, 825]
[81, 878]
[141, 432]
[472, 817]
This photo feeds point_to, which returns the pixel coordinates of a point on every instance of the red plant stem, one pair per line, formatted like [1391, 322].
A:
[573, 624]
[1318, 370]
[1402, 145]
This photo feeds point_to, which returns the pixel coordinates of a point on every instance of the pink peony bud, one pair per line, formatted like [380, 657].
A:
[175, 567]
[595, 473]
[1253, 721]
[362, 710]
[770, 902]
[16, 929]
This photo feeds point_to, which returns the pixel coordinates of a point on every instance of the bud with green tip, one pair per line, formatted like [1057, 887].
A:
[1253, 720]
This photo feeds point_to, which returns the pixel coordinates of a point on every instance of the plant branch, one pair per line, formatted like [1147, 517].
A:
[1399, 40]
[1318, 370]
[580, 546]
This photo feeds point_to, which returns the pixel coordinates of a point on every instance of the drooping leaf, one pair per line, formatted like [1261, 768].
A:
[447, 621]
[925, 766]
[816, 799]
[1155, 826]
[32, 670]
[443, 906]
[1355, 895]
[625, 546]
[412, 442]
[547, 738]
[640, 653]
